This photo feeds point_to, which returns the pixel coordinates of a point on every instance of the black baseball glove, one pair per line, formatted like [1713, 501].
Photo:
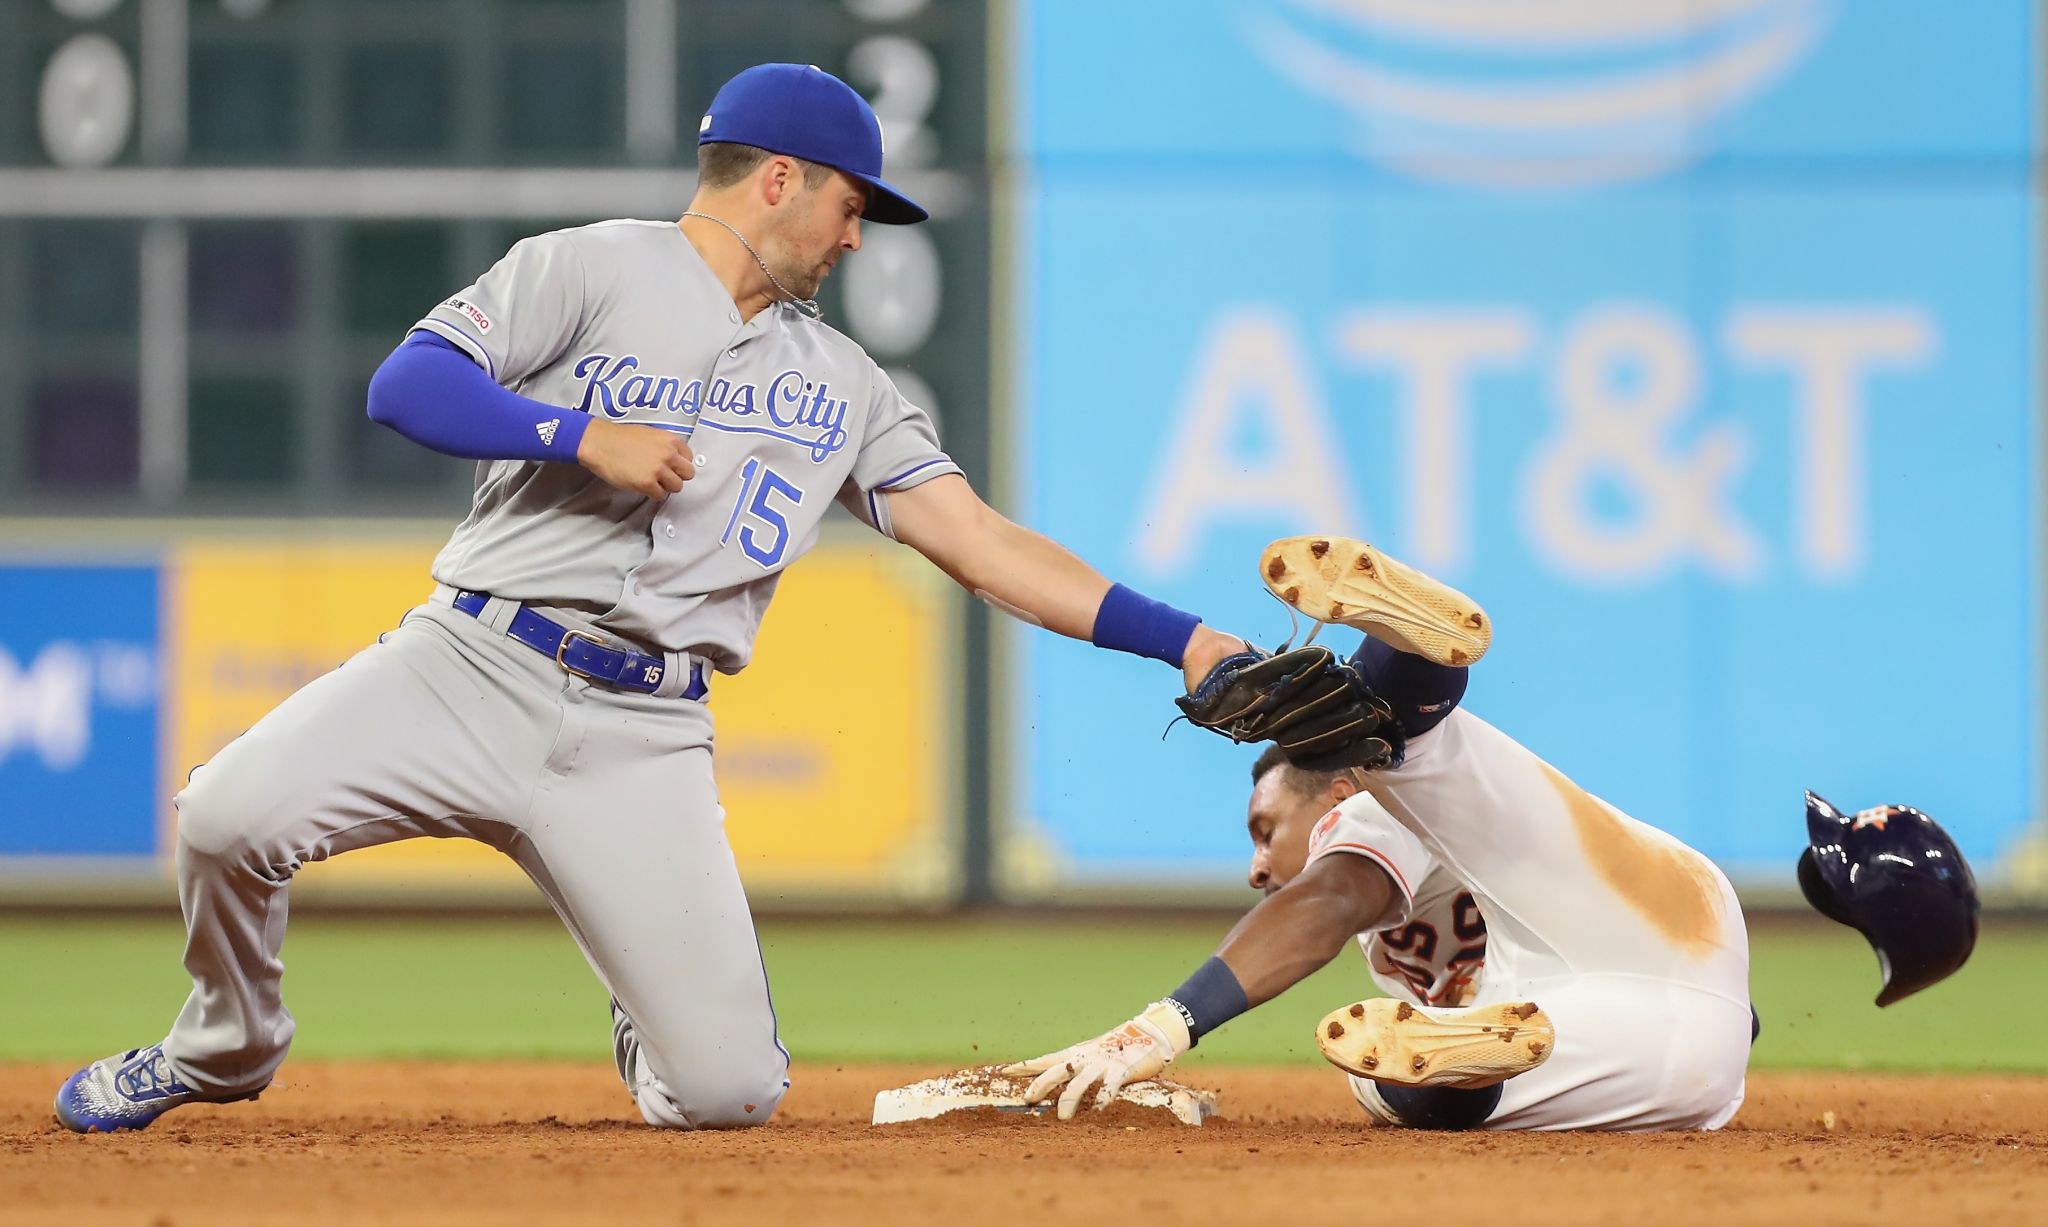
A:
[1316, 708]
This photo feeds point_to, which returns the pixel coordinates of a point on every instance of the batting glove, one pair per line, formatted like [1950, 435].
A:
[1133, 1052]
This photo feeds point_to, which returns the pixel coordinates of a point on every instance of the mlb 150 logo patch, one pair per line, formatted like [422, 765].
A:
[470, 312]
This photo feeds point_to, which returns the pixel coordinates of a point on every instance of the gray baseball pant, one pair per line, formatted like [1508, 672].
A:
[447, 728]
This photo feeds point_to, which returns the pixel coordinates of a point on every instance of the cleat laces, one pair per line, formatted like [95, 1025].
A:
[147, 1075]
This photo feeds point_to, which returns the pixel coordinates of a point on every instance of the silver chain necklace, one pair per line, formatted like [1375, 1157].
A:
[809, 306]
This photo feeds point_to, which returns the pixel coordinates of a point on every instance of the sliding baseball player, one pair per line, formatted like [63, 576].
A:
[1549, 962]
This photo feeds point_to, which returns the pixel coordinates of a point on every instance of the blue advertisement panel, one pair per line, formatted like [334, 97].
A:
[79, 701]
[1695, 340]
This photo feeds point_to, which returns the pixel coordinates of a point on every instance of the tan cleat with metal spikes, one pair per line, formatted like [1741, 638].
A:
[1410, 1045]
[1338, 579]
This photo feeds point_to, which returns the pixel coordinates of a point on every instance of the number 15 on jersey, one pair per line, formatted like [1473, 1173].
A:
[756, 515]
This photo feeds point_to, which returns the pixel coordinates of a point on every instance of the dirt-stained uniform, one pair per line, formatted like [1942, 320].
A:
[1513, 883]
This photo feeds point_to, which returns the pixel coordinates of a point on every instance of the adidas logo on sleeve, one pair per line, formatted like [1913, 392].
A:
[547, 430]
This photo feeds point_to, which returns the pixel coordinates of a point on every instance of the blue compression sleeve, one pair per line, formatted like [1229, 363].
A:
[432, 393]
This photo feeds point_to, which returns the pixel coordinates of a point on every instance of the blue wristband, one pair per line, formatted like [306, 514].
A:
[1128, 622]
[1210, 998]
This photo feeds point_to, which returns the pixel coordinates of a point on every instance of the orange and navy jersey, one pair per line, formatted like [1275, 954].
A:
[1434, 946]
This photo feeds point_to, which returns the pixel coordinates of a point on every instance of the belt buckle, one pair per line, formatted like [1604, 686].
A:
[563, 647]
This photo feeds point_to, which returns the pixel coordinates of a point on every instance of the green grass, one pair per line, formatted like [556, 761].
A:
[942, 991]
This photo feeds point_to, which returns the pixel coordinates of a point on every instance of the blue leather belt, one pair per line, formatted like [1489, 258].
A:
[584, 654]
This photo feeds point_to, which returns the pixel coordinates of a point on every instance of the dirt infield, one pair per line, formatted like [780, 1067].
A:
[342, 1143]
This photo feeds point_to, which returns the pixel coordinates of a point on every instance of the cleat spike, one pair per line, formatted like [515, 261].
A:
[1402, 1044]
[1338, 579]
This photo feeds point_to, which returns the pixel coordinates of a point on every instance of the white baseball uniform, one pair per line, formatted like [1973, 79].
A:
[1517, 884]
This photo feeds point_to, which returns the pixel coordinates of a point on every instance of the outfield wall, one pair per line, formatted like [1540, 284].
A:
[1700, 342]
[122, 669]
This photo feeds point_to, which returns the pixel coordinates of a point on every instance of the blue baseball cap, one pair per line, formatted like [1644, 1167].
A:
[805, 112]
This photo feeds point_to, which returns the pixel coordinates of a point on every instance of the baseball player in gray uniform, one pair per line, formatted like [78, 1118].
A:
[661, 420]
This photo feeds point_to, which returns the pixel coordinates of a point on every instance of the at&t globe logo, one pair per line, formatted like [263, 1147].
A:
[1534, 94]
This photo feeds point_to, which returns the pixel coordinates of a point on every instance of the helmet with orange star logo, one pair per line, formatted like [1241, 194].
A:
[1895, 876]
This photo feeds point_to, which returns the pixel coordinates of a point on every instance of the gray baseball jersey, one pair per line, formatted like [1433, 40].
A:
[624, 320]
[447, 727]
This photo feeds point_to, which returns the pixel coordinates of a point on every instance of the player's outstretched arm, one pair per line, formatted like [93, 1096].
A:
[1279, 943]
[1297, 929]
[1034, 578]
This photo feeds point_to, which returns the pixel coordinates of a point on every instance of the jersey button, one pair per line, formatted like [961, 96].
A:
[670, 529]
[734, 316]
[733, 352]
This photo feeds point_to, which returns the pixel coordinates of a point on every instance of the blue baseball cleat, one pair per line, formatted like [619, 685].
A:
[127, 1092]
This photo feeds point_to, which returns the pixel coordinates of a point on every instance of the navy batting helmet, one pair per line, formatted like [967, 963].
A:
[1895, 876]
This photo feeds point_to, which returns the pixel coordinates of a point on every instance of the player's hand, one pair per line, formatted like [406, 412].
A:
[644, 459]
[1137, 1050]
[1204, 650]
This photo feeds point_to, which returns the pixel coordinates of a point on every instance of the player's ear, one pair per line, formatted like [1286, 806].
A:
[776, 180]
